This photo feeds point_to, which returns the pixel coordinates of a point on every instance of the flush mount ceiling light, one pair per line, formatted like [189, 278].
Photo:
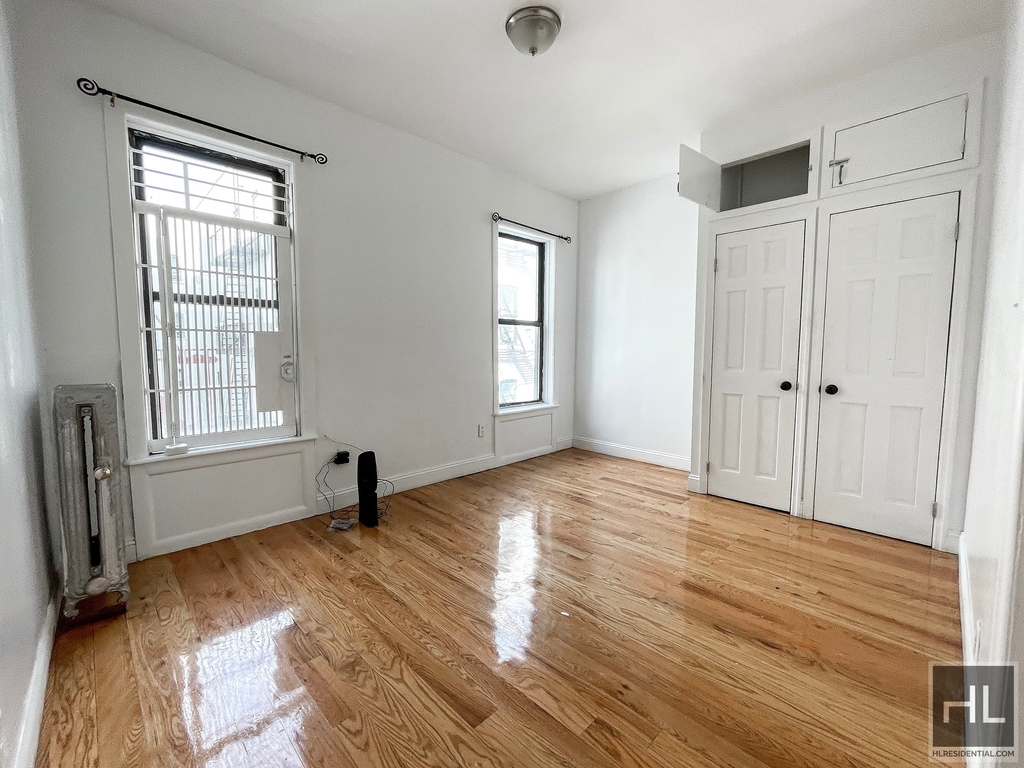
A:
[533, 29]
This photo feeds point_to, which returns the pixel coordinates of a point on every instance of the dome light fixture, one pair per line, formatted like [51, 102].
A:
[533, 29]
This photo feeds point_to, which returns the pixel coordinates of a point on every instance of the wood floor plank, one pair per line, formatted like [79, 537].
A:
[120, 728]
[68, 735]
[571, 610]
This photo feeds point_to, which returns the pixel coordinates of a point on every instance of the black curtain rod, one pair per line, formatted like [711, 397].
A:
[498, 217]
[90, 88]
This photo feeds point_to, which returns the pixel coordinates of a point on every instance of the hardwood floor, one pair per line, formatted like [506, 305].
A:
[572, 610]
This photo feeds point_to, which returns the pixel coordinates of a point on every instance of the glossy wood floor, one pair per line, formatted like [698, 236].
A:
[572, 610]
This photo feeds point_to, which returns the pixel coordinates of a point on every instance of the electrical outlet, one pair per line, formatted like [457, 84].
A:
[479, 430]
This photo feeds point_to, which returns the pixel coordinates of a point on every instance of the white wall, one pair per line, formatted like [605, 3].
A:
[394, 257]
[991, 534]
[908, 82]
[634, 345]
[24, 562]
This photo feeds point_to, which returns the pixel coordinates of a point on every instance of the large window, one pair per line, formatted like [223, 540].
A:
[520, 320]
[215, 294]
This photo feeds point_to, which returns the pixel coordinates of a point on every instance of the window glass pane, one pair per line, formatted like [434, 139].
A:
[518, 279]
[518, 364]
[166, 177]
[211, 312]
[226, 291]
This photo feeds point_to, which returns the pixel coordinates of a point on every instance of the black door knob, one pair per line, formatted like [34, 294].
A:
[786, 386]
[831, 389]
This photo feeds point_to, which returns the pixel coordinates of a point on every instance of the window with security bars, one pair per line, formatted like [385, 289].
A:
[520, 320]
[215, 287]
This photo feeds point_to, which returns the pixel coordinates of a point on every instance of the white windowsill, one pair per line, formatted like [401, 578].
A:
[216, 450]
[532, 408]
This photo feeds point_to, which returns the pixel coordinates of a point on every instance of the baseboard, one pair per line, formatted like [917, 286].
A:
[419, 478]
[512, 458]
[236, 528]
[346, 497]
[950, 542]
[562, 443]
[32, 711]
[671, 460]
[131, 551]
[693, 483]
[968, 630]
[968, 624]
[340, 498]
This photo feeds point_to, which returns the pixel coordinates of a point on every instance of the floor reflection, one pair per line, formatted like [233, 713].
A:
[513, 592]
[239, 702]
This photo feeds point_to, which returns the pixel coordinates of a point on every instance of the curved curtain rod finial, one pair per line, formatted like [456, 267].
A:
[87, 86]
[498, 217]
[91, 88]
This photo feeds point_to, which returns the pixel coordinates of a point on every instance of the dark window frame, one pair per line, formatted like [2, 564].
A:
[540, 323]
[137, 141]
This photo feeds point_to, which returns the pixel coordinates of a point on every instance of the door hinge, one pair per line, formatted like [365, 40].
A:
[714, 268]
[956, 232]
[707, 468]
[963, 148]
[935, 509]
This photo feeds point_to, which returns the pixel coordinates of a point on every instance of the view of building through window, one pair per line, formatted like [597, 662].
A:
[203, 355]
[520, 320]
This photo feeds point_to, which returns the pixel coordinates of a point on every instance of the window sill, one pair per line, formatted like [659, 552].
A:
[526, 410]
[220, 450]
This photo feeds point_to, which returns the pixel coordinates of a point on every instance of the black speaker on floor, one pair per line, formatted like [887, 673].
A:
[366, 484]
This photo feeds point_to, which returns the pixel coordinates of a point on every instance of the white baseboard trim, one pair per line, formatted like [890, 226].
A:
[131, 551]
[693, 483]
[968, 624]
[32, 711]
[562, 443]
[419, 478]
[344, 497]
[523, 456]
[235, 528]
[671, 460]
[341, 498]
[969, 631]
[950, 542]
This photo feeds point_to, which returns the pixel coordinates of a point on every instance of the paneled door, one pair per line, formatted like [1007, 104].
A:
[888, 295]
[758, 279]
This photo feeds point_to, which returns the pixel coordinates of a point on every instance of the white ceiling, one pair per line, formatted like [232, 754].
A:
[606, 107]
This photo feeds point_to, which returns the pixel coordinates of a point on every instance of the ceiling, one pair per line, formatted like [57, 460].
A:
[605, 108]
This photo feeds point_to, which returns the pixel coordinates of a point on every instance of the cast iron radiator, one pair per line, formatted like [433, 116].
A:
[91, 480]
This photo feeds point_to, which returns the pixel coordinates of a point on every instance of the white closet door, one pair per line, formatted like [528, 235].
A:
[754, 364]
[887, 305]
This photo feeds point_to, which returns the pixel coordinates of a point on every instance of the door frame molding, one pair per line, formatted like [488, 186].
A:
[816, 215]
[966, 185]
[704, 335]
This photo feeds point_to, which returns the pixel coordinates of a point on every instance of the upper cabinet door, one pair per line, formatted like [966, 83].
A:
[700, 178]
[778, 177]
[935, 137]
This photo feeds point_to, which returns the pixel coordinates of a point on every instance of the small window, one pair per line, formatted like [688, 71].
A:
[215, 294]
[520, 320]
